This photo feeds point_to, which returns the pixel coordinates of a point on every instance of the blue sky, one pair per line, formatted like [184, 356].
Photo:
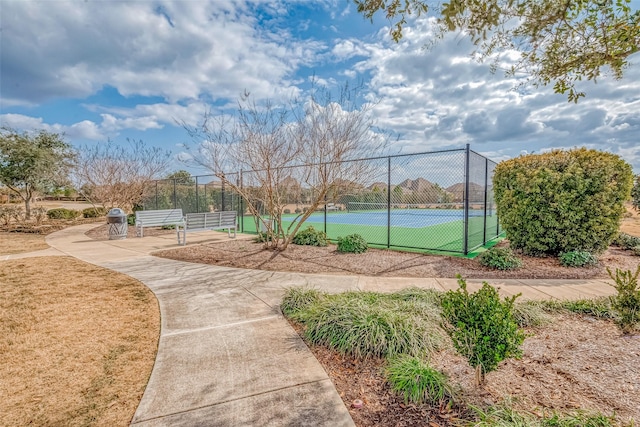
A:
[100, 70]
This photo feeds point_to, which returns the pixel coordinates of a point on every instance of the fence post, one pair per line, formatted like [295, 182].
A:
[175, 195]
[156, 194]
[486, 187]
[242, 205]
[389, 202]
[466, 202]
[197, 197]
[222, 204]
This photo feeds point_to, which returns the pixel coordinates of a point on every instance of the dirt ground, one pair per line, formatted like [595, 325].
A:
[77, 343]
[378, 262]
[572, 363]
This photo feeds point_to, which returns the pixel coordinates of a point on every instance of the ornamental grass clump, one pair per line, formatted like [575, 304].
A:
[368, 324]
[562, 201]
[482, 327]
[417, 382]
[297, 300]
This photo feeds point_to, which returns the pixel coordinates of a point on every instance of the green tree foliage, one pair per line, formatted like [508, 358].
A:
[33, 161]
[182, 177]
[627, 300]
[562, 201]
[482, 327]
[635, 194]
[560, 42]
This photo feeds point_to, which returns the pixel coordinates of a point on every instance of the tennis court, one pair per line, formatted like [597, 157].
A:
[435, 201]
[430, 229]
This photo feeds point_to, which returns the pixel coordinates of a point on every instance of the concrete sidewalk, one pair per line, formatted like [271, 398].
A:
[226, 356]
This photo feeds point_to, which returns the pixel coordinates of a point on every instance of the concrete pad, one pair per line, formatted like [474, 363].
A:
[293, 406]
[395, 284]
[571, 289]
[330, 283]
[43, 252]
[203, 368]
[194, 310]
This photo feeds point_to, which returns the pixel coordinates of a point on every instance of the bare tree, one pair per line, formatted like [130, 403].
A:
[310, 145]
[118, 176]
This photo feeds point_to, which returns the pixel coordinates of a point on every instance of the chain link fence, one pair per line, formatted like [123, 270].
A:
[437, 201]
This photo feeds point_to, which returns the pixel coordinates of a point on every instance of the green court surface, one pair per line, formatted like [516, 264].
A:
[443, 237]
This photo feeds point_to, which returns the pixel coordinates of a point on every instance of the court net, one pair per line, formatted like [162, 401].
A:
[429, 209]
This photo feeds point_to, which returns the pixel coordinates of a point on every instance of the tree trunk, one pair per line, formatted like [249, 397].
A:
[27, 207]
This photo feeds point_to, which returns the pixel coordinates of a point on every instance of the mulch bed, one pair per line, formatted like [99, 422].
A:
[387, 263]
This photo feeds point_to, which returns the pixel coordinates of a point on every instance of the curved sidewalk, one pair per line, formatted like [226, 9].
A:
[226, 356]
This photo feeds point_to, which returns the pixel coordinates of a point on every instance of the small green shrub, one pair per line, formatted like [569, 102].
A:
[298, 210]
[417, 382]
[626, 302]
[297, 300]
[500, 259]
[310, 237]
[94, 212]
[562, 201]
[353, 244]
[636, 250]
[482, 327]
[131, 219]
[287, 211]
[578, 259]
[626, 241]
[62, 213]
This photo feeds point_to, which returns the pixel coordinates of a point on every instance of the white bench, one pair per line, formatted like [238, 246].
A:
[159, 218]
[210, 221]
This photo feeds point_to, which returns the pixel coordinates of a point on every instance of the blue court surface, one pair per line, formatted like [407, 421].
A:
[408, 218]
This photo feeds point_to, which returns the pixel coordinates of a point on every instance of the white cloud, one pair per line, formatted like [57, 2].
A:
[85, 129]
[176, 50]
[441, 98]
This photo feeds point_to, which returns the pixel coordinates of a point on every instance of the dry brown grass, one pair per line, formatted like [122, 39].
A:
[631, 224]
[15, 243]
[77, 343]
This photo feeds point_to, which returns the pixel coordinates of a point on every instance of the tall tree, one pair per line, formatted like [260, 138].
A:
[310, 146]
[118, 175]
[32, 161]
[560, 42]
[181, 177]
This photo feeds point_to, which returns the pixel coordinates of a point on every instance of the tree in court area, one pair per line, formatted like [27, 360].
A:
[32, 162]
[560, 42]
[301, 152]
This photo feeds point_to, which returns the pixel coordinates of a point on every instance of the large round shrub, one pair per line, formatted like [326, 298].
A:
[562, 201]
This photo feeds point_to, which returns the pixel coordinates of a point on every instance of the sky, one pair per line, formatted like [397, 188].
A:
[111, 70]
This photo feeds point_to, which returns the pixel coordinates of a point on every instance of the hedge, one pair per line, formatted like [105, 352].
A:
[562, 201]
